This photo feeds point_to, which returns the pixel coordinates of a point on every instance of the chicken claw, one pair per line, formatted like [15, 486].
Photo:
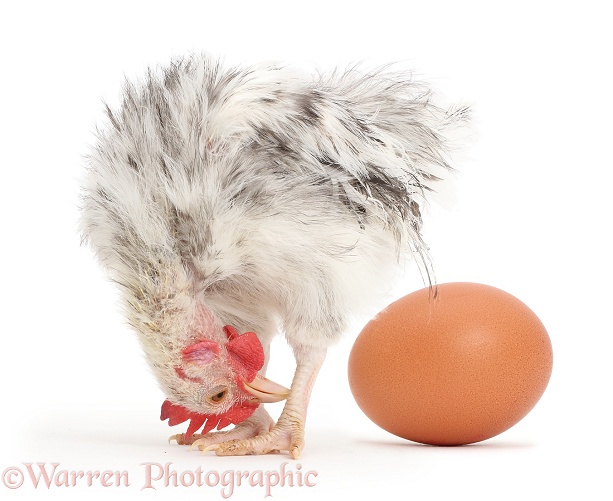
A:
[206, 449]
[281, 438]
[260, 422]
[180, 438]
[288, 433]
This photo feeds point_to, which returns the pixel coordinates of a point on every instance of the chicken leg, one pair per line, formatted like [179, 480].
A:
[288, 433]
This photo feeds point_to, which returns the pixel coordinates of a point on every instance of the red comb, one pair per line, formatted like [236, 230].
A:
[177, 414]
[246, 357]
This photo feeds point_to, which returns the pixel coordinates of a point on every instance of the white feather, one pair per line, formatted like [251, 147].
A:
[279, 201]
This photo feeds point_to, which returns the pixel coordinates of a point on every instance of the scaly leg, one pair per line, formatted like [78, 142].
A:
[288, 433]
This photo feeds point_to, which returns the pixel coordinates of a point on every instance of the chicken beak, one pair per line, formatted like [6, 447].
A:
[266, 390]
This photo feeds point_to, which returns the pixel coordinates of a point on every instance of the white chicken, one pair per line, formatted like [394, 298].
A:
[231, 205]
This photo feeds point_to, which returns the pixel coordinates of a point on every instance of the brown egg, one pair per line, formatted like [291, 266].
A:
[451, 370]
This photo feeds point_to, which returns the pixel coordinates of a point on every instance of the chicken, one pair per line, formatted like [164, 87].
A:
[230, 205]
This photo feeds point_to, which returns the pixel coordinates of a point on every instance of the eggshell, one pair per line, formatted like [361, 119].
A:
[451, 370]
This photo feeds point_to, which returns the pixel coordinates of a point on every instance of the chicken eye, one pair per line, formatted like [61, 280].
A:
[219, 396]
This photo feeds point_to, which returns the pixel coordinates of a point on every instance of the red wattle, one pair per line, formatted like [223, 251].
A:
[230, 331]
[246, 355]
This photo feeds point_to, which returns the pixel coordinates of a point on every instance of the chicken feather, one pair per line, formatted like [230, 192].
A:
[261, 198]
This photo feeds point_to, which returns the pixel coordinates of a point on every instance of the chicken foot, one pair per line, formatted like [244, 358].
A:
[288, 433]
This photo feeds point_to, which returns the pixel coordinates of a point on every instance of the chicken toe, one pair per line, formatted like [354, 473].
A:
[260, 422]
[285, 436]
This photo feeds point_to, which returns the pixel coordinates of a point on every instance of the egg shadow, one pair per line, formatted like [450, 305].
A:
[485, 445]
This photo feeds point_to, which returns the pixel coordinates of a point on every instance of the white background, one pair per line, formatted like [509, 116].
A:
[532, 216]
